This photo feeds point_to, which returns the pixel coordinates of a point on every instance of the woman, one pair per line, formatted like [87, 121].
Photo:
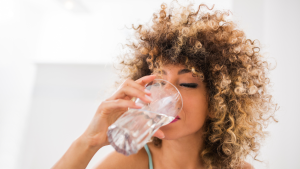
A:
[223, 81]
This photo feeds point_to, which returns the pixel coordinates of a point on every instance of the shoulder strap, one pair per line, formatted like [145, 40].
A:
[149, 156]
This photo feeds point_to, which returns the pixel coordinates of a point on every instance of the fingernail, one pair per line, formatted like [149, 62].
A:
[139, 104]
[147, 91]
[149, 98]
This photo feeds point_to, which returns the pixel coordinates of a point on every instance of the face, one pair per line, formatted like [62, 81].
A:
[195, 105]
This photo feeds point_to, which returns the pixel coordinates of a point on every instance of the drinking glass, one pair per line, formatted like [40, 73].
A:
[133, 129]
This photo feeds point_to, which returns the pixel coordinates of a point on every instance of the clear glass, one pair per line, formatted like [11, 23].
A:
[134, 128]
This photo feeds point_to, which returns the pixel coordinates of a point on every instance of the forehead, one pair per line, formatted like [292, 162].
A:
[172, 69]
[179, 69]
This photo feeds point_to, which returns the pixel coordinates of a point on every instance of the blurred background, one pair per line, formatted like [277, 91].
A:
[56, 66]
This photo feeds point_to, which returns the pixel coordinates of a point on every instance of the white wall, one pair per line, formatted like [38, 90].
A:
[282, 36]
[55, 64]
[64, 100]
[276, 24]
[18, 27]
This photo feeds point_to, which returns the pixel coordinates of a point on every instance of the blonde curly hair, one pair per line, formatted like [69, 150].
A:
[231, 66]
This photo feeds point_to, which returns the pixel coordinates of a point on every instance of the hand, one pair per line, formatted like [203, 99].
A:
[112, 108]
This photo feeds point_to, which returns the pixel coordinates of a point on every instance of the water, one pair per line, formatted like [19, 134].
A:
[134, 129]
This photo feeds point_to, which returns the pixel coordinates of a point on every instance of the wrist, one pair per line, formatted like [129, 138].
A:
[89, 143]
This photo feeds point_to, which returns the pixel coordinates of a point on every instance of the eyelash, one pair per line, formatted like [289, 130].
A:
[190, 85]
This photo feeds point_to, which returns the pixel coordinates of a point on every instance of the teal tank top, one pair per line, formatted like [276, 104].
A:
[149, 156]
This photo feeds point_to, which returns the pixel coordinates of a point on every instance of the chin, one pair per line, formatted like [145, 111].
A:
[172, 131]
[178, 130]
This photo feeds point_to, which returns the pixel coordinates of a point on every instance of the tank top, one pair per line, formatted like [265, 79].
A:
[149, 156]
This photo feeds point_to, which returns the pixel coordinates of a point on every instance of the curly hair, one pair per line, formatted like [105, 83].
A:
[230, 65]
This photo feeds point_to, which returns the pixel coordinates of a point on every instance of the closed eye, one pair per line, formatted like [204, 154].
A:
[190, 85]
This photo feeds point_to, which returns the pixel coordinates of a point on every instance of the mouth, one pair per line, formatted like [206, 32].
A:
[176, 119]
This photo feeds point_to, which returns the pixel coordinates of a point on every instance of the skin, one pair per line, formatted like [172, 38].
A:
[182, 143]
[182, 140]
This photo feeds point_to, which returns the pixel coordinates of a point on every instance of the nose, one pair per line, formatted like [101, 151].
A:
[171, 84]
[171, 88]
[171, 79]
[167, 85]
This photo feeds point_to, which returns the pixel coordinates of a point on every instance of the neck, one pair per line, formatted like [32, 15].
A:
[183, 152]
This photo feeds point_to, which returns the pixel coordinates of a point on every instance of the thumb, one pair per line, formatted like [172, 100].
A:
[159, 134]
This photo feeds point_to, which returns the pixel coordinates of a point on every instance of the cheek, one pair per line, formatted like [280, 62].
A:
[192, 116]
[195, 111]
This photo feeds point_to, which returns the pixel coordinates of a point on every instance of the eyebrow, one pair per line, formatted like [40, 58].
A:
[182, 71]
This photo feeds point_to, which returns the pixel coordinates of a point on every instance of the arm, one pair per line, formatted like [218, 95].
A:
[77, 156]
[84, 148]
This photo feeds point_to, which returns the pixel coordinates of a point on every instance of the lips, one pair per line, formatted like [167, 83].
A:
[176, 119]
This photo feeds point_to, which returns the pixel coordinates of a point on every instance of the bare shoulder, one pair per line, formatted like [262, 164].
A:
[115, 160]
[246, 166]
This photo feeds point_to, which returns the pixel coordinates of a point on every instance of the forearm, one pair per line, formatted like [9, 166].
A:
[77, 156]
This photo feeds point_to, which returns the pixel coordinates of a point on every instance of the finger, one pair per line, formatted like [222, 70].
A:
[128, 82]
[112, 110]
[146, 79]
[131, 92]
[120, 104]
[136, 85]
[159, 134]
